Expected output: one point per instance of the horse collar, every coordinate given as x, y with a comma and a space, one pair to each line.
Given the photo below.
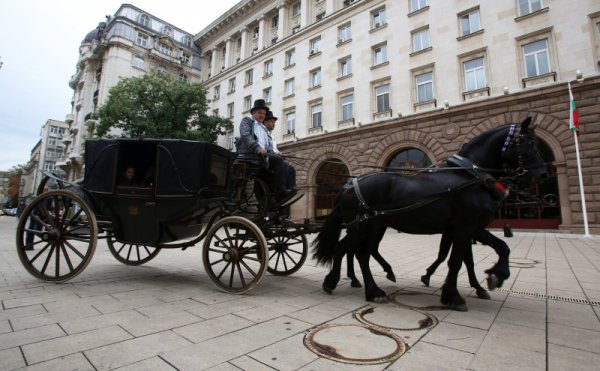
511, 133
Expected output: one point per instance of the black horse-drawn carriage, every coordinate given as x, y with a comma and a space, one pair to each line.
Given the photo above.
187, 192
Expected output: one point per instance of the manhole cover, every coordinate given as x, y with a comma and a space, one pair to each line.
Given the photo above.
355, 344
397, 317
522, 262
417, 300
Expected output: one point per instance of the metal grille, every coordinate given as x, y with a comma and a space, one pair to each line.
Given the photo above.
551, 297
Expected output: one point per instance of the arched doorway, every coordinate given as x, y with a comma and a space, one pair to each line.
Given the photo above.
532, 206
409, 158
331, 176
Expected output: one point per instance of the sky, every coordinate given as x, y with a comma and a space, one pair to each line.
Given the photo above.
39, 48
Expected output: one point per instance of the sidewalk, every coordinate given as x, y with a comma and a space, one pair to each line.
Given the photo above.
167, 315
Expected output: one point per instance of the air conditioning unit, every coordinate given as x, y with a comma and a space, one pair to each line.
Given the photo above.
312, 51
377, 24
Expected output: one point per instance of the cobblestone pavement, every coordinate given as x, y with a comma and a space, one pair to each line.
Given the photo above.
167, 314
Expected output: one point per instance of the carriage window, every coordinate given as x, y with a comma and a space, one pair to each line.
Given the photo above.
411, 158
218, 170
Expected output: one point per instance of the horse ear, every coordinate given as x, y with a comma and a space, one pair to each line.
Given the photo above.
525, 124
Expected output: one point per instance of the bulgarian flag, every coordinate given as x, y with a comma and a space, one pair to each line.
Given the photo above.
573, 114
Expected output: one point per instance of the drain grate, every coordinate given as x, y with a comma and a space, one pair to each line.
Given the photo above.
551, 297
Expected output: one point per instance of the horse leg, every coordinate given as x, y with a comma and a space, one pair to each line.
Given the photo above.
363, 253
333, 277
500, 271
450, 295
387, 268
470, 264
354, 282
445, 245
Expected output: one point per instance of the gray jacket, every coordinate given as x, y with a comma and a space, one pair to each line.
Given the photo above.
247, 142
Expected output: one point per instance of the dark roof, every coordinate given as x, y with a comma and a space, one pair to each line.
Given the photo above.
95, 34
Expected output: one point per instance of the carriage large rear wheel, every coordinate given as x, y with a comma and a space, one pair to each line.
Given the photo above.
56, 236
287, 254
235, 254
131, 253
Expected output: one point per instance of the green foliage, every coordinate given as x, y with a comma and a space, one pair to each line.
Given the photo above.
159, 106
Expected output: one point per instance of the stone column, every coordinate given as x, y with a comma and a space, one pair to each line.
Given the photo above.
303, 13
283, 24
329, 7
227, 61
261, 32
244, 51
213, 64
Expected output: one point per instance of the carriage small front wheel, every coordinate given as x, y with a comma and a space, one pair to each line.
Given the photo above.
235, 254
56, 236
287, 254
131, 253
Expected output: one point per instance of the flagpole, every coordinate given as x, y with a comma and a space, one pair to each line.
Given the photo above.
579, 173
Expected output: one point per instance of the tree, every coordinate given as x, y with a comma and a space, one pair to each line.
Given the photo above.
159, 106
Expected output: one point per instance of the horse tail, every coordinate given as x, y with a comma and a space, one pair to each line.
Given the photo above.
324, 246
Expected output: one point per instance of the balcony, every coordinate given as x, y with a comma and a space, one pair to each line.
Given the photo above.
69, 118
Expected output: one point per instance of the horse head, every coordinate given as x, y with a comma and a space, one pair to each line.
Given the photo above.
520, 154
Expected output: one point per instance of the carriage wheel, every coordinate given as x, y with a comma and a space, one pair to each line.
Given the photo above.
286, 254
56, 236
235, 254
129, 253
49, 182
254, 200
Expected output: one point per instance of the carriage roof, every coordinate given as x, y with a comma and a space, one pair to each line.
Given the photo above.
176, 166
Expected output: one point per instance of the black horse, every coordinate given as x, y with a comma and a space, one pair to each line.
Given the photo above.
458, 199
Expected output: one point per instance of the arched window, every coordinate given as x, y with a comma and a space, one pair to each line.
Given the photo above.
186, 40
144, 20
167, 30
411, 158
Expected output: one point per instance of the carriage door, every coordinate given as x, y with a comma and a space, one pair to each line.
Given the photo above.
532, 206
332, 175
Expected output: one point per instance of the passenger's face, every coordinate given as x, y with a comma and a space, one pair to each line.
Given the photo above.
270, 124
130, 173
259, 114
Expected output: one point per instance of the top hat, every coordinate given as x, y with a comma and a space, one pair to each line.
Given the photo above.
258, 104
270, 116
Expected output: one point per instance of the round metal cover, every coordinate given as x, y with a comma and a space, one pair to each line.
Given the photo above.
355, 344
397, 317
522, 262
417, 300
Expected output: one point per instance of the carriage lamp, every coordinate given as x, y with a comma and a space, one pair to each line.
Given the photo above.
579, 76
506, 90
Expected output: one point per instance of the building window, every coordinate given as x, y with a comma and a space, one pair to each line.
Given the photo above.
249, 77
347, 107
231, 85
382, 98
142, 39
529, 6
379, 54
420, 40
290, 57
417, 4
185, 58
167, 30
268, 95
315, 78
139, 62
161, 70
183, 77
275, 21
424, 87
165, 49
349, 2
344, 33
537, 60
255, 33
268, 68
469, 23
378, 18
290, 121
320, 16
230, 110
247, 103
296, 9
215, 112
144, 20
345, 66
289, 87
316, 115
315, 45
474, 74
217, 92
186, 40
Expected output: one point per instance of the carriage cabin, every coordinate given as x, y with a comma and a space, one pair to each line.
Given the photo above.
176, 183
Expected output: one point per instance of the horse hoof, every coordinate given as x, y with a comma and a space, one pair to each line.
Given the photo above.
459, 307
380, 300
391, 277
482, 294
355, 283
425, 280
328, 290
493, 281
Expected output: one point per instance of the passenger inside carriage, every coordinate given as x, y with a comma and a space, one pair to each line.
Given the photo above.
128, 177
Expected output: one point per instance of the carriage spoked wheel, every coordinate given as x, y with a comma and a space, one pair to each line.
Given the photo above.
235, 254
286, 254
56, 236
254, 200
131, 253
